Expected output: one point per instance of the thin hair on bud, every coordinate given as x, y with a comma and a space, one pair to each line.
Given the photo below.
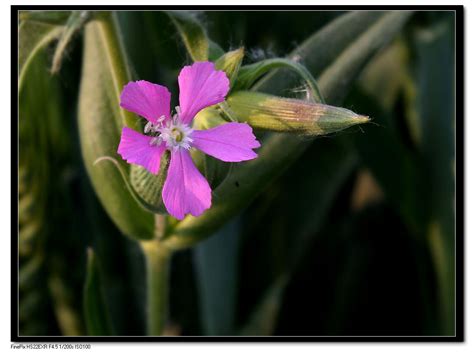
302, 92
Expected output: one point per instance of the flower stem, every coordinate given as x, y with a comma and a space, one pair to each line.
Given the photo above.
157, 260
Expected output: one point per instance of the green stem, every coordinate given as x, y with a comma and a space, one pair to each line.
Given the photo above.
157, 259
250, 73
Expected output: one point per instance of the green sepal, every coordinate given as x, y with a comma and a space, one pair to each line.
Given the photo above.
149, 186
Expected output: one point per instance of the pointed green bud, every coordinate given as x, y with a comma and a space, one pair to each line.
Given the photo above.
230, 63
271, 113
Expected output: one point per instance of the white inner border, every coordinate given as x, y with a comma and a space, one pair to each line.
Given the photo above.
5, 183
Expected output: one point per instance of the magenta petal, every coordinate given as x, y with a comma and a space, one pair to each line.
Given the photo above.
228, 142
186, 191
136, 149
146, 99
200, 86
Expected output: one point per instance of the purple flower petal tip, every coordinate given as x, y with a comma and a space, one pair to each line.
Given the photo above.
231, 142
200, 86
186, 191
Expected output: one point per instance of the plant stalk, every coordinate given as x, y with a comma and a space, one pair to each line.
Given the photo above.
157, 261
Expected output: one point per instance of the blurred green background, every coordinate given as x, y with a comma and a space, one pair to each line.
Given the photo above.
356, 237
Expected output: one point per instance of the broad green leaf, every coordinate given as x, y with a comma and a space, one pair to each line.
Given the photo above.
270, 113
32, 37
249, 178
75, 22
104, 73
216, 271
95, 306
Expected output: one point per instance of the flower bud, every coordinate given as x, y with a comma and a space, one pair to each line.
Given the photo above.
271, 113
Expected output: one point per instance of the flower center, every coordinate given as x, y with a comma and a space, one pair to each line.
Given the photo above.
176, 135
172, 132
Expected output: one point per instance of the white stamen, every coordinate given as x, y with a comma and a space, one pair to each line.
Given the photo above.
148, 127
154, 127
176, 135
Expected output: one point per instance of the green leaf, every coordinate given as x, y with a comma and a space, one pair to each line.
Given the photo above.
32, 37
230, 64
104, 73
216, 270
248, 179
193, 35
270, 113
95, 306
75, 22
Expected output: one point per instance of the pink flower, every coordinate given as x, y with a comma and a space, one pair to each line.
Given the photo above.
185, 191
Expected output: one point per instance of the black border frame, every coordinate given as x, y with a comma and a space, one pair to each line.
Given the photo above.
459, 181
